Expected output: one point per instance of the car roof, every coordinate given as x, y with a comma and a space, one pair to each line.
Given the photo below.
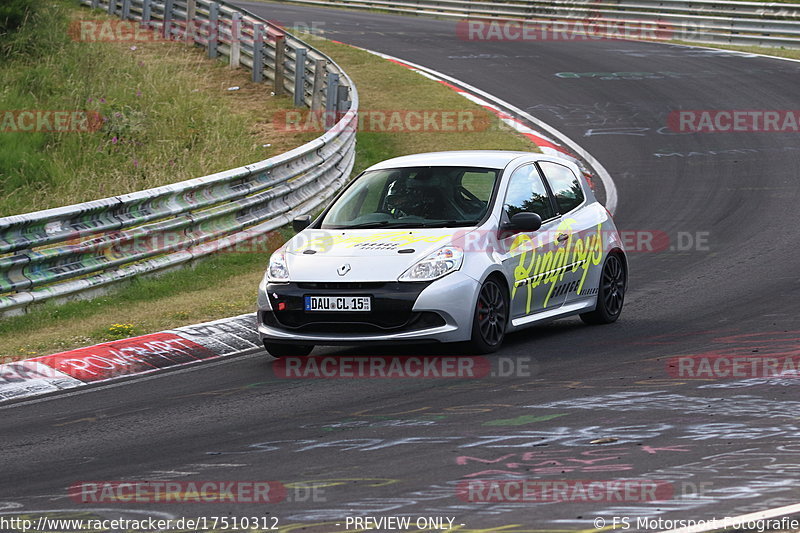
464, 158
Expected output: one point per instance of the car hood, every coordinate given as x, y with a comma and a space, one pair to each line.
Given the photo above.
371, 254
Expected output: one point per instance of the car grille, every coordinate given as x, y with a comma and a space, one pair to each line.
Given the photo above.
342, 286
392, 308
375, 323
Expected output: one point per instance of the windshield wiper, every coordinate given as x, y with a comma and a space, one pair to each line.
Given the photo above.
375, 224
406, 224
446, 223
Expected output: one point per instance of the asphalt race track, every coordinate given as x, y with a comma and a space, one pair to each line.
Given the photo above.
725, 283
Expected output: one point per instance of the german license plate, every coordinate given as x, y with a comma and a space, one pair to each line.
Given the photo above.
338, 303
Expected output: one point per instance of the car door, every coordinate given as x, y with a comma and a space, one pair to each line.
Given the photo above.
530, 258
578, 233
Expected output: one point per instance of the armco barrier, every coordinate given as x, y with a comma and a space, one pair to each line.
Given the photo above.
700, 21
77, 249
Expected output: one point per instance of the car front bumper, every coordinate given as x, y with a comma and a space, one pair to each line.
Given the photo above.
438, 311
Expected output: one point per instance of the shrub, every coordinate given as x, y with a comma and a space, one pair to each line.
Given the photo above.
13, 13
29, 32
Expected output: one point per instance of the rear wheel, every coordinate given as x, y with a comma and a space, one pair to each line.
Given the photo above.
288, 350
611, 294
491, 317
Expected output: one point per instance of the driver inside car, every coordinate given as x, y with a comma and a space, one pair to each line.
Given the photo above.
414, 197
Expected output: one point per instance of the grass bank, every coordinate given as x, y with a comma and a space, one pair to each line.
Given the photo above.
226, 285
166, 114
762, 50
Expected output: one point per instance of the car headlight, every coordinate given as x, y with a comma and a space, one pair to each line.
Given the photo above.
278, 271
435, 265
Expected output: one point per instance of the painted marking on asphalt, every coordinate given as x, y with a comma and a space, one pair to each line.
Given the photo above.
147, 513
608, 182
738, 52
522, 420
735, 520
80, 420
217, 465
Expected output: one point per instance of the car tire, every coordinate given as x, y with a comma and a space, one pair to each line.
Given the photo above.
288, 350
490, 319
611, 292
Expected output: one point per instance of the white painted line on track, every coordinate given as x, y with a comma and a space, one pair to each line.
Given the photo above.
714, 525
740, 52
608, 182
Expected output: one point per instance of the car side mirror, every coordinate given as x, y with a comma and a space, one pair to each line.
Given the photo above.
301, 222
524, 222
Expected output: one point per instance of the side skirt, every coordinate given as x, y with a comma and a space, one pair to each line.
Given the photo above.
572, 308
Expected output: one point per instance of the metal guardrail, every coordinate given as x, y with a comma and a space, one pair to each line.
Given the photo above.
700, 21
78, 249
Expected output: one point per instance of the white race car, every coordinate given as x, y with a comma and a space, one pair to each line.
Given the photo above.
445, 247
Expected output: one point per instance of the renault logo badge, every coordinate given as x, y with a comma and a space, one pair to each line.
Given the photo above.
344, 269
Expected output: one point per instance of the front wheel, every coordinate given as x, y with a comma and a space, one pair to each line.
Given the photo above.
611, 294
490, 319
288, 350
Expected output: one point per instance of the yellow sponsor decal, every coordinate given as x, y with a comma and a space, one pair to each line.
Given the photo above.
542, 268
390, 239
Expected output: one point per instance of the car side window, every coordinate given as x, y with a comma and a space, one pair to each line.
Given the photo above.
565, 185
527, 193
473, 192
364, 199
479, 184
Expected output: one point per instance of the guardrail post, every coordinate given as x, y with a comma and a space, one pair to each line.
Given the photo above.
316, 86
236, 39
191, 16
280, 63
258, 53
126, 9
300, 76
213, 30
147, 10
167, 27
95, 4
689, 31
342, 102
330, 100
112, 6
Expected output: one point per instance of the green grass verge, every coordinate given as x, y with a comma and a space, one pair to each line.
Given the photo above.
226, 285
167, 114
763, 50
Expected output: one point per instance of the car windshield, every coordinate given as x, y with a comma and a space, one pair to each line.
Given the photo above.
414, 197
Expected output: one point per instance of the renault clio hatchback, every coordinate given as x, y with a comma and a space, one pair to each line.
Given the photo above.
445, 247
